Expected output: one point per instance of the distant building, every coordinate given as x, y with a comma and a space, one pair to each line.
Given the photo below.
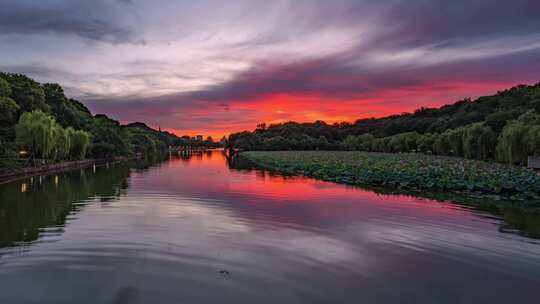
199, 138
261, 126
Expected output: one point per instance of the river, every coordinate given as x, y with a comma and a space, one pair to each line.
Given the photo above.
195, 229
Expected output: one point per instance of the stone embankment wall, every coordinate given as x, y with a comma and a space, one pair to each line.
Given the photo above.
7, 176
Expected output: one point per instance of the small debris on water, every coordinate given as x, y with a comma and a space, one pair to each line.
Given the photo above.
224, 272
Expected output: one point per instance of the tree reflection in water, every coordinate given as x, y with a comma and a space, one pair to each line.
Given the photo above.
28, 206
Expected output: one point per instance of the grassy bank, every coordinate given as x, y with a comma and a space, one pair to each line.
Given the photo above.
409, 172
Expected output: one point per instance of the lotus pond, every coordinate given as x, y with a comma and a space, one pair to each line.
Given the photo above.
409, 172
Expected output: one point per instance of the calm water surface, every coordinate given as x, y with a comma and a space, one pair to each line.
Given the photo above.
194, 230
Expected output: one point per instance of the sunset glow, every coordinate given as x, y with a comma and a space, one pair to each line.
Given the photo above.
283, 107
192, 70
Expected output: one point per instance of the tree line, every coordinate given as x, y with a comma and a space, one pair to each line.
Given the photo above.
42, 136
40, 119
503, 127
517, 140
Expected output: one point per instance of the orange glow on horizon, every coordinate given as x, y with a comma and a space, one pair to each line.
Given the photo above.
283, 107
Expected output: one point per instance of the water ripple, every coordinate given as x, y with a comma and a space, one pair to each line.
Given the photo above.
196, 231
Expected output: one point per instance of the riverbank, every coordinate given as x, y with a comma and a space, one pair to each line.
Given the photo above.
409, 172
11, 175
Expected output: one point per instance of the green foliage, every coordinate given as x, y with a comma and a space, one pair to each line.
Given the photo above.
244, 140
68, 112
62, 143
511, 143
448, 143
362, 142
79, 143
404, 142
55, 127
365, 142
146, 140
455, 139
496, 121
465, 129
8, 111
426, 142
479, 141
533, 140
411, 172
442, 145
397, 143
5, 88
28, 94
109, 138
142, 142
350, 143
322, 143
35, 133
39, 134
381, 144
519, 139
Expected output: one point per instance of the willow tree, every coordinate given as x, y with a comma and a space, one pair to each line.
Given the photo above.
442, 145
361, 142
533, 140
62, 143
397, 143
519, 139
426, 142
79, 143
479, 141
35, 132
452, 142
511, 146
351, 143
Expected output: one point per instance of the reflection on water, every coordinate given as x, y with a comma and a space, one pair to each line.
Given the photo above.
515, 219
207, 228
44, 202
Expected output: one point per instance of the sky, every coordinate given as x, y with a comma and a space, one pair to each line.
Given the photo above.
213, 67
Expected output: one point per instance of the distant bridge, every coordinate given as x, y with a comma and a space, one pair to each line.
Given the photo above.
190, 148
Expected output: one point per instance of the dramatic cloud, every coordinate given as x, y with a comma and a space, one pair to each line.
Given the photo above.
93, 20
212, 68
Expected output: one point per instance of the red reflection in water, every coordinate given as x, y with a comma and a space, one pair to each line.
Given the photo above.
207, 176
